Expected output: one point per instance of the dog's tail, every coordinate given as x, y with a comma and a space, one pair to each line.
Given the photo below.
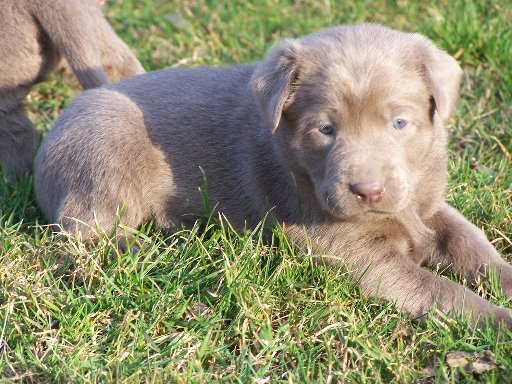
70, 29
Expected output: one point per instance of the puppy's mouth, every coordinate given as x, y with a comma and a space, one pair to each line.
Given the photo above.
383, 208
348, 205
379, 212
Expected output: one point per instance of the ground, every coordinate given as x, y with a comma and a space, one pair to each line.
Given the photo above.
211, 305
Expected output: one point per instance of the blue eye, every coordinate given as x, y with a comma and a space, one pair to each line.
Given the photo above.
327, 130
399, 123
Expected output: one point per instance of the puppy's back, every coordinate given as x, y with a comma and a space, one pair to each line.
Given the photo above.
150, 135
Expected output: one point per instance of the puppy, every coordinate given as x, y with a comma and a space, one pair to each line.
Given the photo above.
338, 136
34, 33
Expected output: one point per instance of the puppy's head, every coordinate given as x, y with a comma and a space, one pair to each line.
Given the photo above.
358, 113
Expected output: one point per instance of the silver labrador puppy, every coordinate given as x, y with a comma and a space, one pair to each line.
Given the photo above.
339, 135
34, 34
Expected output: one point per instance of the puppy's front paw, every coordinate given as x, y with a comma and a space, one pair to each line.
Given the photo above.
504, 274
503, 316
506, 284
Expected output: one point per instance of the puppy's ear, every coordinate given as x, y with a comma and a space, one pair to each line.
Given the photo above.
443, 76
273, 79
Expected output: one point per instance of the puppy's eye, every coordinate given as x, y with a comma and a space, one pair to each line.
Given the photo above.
399, 123
327, 129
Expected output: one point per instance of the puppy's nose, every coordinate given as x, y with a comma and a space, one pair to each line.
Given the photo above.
370, 192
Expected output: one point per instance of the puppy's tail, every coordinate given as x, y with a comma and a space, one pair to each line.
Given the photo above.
67, 24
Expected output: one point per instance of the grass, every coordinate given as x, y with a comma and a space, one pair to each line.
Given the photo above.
212, 305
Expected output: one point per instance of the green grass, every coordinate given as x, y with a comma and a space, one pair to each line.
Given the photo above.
209, 306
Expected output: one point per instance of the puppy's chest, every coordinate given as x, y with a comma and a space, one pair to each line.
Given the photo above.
413, 241
401, 237
417, 252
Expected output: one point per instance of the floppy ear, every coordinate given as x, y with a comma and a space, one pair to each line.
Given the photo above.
273, 78
443, 76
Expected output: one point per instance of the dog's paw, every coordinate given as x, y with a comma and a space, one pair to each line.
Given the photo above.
503, 316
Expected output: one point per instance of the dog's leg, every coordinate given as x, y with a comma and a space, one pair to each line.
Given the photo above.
398, 279
462, 248
382, 263
61, 20
17, 143
86, 214
117, 59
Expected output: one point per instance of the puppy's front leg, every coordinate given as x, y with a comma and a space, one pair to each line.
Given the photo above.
462, 248
398, 279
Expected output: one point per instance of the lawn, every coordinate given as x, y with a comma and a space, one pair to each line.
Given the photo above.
207, 305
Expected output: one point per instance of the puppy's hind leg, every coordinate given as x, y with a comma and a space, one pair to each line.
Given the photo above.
18, 140
106, 212
96, 169
118, 61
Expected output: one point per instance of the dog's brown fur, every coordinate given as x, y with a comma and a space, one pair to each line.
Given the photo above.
33, 36
298, 135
